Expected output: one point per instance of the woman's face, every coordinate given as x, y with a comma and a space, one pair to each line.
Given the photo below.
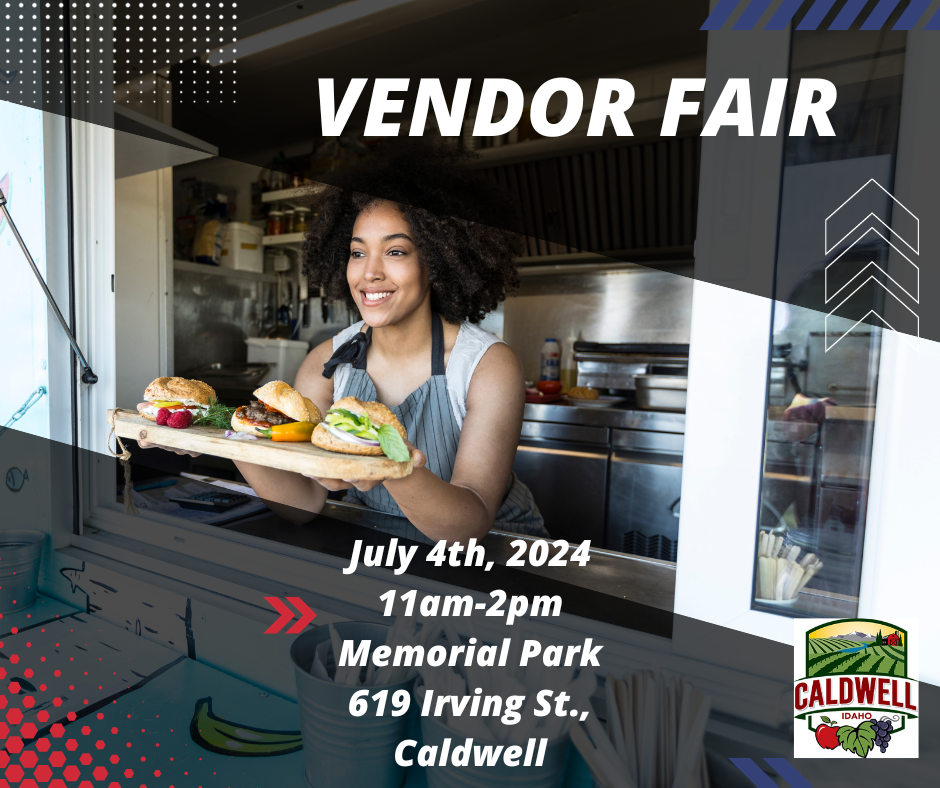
385, 277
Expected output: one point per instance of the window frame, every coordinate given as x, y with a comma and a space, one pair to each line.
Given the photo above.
725, 440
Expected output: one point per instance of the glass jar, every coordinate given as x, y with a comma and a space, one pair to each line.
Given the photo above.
300, 220
288, 221
275, 223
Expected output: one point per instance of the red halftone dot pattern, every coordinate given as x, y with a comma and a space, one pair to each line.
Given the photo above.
45, 753
29, 759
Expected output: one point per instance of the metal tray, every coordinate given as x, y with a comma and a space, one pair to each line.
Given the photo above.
662, 392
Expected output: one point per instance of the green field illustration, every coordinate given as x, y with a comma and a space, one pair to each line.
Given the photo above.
857, 654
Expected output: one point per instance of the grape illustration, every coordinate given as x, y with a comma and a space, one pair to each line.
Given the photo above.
883, 728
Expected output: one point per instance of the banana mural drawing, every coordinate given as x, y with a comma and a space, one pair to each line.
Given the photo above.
232, 738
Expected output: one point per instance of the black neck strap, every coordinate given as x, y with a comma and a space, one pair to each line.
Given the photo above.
437, 347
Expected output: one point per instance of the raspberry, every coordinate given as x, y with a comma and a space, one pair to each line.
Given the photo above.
180, 420
162, 415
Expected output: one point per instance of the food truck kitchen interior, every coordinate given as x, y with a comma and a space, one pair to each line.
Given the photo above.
672, 499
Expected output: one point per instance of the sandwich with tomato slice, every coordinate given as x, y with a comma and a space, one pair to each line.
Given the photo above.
176, 394
279, 412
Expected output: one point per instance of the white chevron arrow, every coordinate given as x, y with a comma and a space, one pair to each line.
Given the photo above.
913, 343
861, 203
832, 291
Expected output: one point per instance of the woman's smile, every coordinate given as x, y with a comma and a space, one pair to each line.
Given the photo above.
372, 298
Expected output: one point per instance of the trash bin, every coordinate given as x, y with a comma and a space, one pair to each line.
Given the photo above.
20, 553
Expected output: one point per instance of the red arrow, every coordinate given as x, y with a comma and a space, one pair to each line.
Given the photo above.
306, 615
286, 615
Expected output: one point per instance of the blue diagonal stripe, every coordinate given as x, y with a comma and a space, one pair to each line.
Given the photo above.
789, 773
850, 10
816, 14
751, 14
911, 15
879, 16
934, 23
753, 772
784, 14
720, 15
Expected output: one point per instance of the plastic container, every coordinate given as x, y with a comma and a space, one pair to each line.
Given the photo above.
569, 368
20, 553
284, 355
548, 775
242, 249
551, 361
341, 750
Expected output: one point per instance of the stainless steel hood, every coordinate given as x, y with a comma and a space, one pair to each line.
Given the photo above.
142, 144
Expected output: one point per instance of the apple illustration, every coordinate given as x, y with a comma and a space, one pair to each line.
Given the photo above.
827, 736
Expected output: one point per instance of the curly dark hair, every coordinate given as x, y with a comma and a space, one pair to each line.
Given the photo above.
461, 221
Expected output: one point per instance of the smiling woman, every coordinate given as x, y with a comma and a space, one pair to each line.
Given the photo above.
415, 240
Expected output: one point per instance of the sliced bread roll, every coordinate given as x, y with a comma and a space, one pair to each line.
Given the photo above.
279, 395
378, 414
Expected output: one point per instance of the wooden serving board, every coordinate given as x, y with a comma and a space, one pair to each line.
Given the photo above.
302, 458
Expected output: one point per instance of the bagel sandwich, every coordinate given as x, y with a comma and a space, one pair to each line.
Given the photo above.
176, 394
279, 412
369, 429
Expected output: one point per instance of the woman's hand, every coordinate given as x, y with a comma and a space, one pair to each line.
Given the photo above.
145, 445
418, 460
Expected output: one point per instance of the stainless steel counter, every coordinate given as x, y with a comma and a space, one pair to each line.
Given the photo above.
611, 475
615, 418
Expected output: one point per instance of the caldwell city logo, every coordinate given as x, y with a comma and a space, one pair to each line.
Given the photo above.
855, 693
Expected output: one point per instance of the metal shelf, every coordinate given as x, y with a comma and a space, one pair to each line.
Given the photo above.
213, 270
294, 193
294, 240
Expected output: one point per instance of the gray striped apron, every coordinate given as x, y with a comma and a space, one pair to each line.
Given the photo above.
429, 419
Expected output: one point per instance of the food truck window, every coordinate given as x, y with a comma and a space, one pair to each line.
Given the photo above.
36, 400
22, 304
826, 333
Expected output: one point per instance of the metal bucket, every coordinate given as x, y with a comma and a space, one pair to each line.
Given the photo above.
548, 775
341, 750
20, 553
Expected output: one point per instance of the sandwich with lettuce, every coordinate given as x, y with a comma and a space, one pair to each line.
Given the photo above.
369, 429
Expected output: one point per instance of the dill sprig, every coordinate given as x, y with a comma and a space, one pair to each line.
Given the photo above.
218, 416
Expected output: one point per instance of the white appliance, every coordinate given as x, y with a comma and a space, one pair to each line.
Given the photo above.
285, 356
